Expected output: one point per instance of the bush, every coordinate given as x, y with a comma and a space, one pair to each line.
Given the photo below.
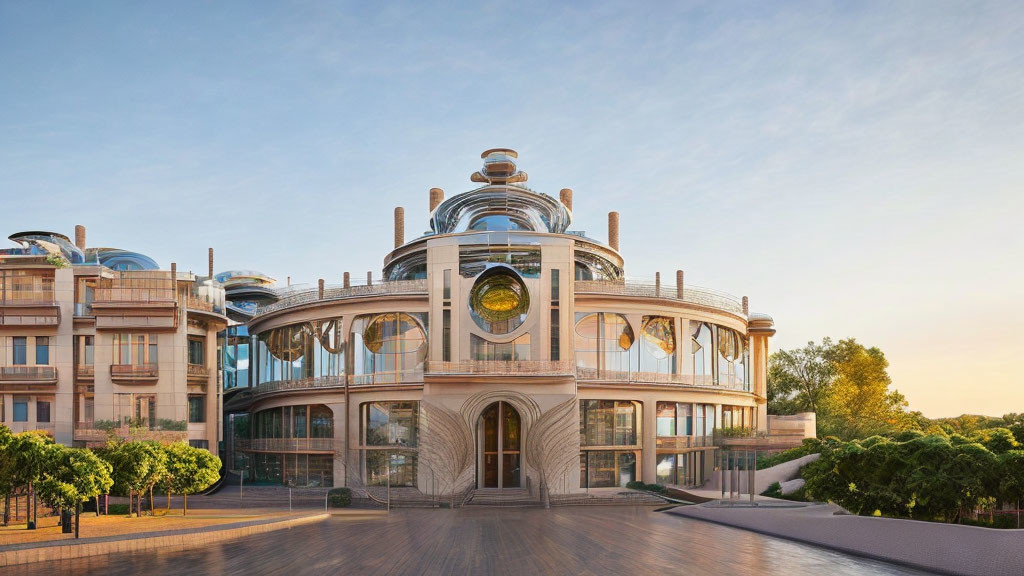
773, 491
340, 497
637, 485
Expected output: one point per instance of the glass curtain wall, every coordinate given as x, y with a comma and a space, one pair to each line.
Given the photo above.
390, 432
658, 345
609, 436
388, 347
604, 342
299, 351
732, 353
701, 351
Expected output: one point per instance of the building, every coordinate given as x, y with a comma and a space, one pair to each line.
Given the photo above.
499, 350
99, 341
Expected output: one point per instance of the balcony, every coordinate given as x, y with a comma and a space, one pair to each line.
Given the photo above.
288, 444
657, 379
136, 300
294, 297
502, 368
321, 382
85, 372
28, 377
98, 433
28, 308
677, 443
694, 295
134, 373
198, 372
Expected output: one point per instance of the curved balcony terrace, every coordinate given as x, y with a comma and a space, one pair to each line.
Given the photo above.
290, 298
657, 379
690, 295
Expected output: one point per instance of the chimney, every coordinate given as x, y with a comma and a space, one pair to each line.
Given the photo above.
399, 226
657, 283
174, 270
565, 194
679, 284
211, 264
80, 237
289, 280
613, 230
345, 283
369, 278
320, 289
746, 306
436, 197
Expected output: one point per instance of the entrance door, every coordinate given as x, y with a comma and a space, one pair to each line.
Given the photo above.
499, 437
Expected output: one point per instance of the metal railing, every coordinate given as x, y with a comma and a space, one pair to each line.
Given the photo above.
300, 384
385, 378
198, 371
690, 380
508, 368
124, 371
87, 371
290, 298
691, 294
291, 444
28, 373
137, 287
16, 317
684, 442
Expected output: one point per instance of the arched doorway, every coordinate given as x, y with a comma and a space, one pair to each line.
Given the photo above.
499, 447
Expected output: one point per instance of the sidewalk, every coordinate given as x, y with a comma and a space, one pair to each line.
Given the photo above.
943, 548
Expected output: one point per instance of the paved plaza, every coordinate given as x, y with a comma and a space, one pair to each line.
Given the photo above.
570, 540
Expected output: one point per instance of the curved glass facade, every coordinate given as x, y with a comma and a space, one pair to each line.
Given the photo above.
609, 442
288, 445
299, 351
386, 346
603, 344
390, 434
499, 301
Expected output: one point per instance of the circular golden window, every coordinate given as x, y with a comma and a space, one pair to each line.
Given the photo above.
499, 301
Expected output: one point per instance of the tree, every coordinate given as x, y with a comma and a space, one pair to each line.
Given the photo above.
797, 379
1011, 473
7, 475
28, 461
190, 470
997, 440
137, 466
72, 476
859, 402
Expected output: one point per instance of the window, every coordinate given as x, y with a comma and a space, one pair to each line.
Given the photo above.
603, 345
20, 410
682, 469
196, 409
42, 411
297, 351
392, 344
446, 334
313, 421
481, 350
204, 444
447, 290
705, 419
556, 346
731, 358
390, 423
605, 468
196, 351
674, 419
700, 348
658, 345
42, 351
20, 352
608, 423
135, 349
86, 350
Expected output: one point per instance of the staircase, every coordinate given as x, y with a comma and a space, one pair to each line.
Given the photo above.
504, 498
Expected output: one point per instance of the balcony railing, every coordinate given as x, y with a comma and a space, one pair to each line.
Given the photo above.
83, 309
88, 432
504, 368
386, 378
336, 382
85, 371
690, 380
198, 371
28, 374
291, 444
684, 442
691, 294
134, 372
39, 315
137, 287
293, 297
300, 384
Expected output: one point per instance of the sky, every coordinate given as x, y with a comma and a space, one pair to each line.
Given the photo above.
855, 168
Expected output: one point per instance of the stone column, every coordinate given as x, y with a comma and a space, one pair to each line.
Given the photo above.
210, 276
436, 197
346, 280
369, 278
613, 230
679, 284
399, 226
565, 195
80, 237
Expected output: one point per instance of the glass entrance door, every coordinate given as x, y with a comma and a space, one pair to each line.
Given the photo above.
500, 440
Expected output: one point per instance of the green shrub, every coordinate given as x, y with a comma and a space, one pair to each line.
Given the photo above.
340, 497
773, 491
116, 509
635, 485
807, 447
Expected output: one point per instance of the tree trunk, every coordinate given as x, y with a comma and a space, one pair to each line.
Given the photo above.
31, 510
78, 518
168, 500
97, 506
151, 501
7, 508
184, 506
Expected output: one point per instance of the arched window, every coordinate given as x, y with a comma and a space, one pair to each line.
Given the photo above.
603, 345
658, 345
388, 346
307, 350
731, 355
700, 348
